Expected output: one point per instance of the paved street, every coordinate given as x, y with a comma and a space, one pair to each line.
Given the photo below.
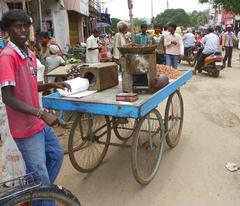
193, 173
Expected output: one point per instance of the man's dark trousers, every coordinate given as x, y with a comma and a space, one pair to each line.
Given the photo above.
200, 62
228, 56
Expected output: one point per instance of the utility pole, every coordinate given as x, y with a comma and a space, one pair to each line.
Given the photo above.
130, 7
167, 4
152, 12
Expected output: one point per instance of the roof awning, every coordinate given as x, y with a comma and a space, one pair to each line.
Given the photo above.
78, 6
16, 1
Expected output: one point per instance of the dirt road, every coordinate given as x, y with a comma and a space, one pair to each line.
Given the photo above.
191, 174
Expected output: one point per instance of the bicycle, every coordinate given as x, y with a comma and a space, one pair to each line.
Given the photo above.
24, 190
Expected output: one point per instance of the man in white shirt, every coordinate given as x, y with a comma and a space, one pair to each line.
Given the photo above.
173, 45
211, 46
93, 47
188, 41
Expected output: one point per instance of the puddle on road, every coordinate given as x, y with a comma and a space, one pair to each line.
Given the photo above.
223, 118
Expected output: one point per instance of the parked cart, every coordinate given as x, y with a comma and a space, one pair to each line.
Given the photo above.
99, 114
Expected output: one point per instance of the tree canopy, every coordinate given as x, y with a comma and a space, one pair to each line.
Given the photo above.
230, 5
181, 18
113, 27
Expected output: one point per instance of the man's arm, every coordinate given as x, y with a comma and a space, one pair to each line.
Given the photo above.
10, 100
54, 85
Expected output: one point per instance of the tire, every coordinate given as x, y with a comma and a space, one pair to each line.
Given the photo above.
56, 193
192, 59
147, 152
88, 141
123, 129
216, 73
173, 119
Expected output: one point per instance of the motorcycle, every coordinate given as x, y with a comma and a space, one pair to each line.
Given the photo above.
213, 64
190, 56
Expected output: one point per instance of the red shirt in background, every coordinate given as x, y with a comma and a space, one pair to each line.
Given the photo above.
20, 71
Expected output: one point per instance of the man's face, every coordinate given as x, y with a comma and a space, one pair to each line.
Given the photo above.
171, 29
229, 29
19, 32
158, 30
144, 29
44, 41
96, 34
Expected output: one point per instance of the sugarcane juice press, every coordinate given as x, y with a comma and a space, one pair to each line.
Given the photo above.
138, 69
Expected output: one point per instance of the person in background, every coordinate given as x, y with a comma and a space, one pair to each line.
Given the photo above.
128, 35
173, 45
29, 124
158, 39
228, 39
188, 41
119, 40
211, 45
2, 45
142, 37
93, 47
54, 60
45, 43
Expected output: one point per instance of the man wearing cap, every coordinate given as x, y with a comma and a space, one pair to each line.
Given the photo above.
228, 38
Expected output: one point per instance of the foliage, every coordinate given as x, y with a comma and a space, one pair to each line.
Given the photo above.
113, 27
229, 5
136, 21
177, 16
199, 18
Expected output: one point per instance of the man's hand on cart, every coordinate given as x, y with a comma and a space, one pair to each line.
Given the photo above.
61, 85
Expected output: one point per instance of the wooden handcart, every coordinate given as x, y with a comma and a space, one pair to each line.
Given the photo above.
100, 114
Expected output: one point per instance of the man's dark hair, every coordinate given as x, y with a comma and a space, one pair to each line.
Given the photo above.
13, 16
44, 34
172, 25
210, 30
96, 30
158, 25
143, 26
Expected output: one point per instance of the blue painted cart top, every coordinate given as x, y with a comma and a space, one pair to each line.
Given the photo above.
104, 102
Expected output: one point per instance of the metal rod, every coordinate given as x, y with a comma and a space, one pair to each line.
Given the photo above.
24, 4
40, 13
115, 144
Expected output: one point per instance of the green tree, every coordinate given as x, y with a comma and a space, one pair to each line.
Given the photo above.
199, 18
113, 27
230, 5
177, 16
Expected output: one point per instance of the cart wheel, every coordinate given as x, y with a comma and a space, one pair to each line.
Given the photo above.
147, 147
123, 128
174, 118
88, 141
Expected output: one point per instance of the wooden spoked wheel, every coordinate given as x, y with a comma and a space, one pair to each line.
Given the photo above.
88, 141
123, 128
174, 118
147, 147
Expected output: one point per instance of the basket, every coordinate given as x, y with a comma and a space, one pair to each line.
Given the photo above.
137, 49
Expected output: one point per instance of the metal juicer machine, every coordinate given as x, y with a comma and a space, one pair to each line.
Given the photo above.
138, 68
